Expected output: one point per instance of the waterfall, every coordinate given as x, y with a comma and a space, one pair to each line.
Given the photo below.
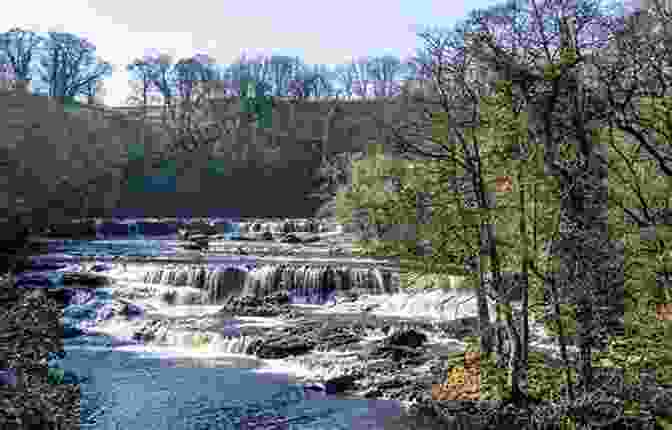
222, 282
192, 276
316, 284
311, 284
233, 345
219, 282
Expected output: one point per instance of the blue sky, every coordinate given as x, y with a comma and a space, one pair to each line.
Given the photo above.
318, 32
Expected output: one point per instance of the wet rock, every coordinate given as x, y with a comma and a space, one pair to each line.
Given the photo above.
459, 328
409, 338
33, 280
150, 331
339, 384
269, 306
130, 310
8, 377
198, 237
70, 331
77, 296
85, 278
196, 246
284, 348
169, 297
291, 238
101, 267
162, 228
200, 228
44, 265
85, 230
312, 239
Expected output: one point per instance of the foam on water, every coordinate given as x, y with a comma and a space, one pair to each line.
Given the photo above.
314, 366
433, 304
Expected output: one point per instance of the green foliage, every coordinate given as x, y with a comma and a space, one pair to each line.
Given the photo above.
633, 186
454, 230
567, 320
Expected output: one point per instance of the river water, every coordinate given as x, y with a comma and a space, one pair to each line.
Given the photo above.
128, 385
181, 384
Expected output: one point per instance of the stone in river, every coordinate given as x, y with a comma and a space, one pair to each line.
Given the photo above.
410, 338
339, 384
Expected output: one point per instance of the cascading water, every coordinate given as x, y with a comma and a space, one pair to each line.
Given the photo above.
138, 327
312, 284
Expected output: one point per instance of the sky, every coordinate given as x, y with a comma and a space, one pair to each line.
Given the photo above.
318, 32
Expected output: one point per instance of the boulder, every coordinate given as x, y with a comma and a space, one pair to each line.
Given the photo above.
225, 227
284, 348
150, 331
101, 267
130, 310
157, 228
290, 238
77, 296
113, 229
409, 338
70, 331
31, 280
312, 239
8, 377
339, 384
72, 230
195, 246
201, 227
85, 278
44, 265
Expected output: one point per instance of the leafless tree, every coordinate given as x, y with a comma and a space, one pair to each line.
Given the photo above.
70, 65
18, 48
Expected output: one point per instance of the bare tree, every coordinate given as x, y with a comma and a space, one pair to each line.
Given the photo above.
70, 65
361, 69
17, 49
282, 70
346, 77
142, 84
386, 71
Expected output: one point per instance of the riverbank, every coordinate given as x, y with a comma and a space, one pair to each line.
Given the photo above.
29, 331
